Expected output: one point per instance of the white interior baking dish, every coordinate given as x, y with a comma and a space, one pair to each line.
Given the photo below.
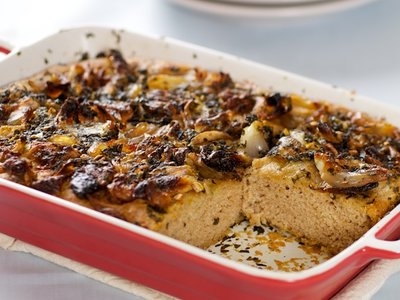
151, 258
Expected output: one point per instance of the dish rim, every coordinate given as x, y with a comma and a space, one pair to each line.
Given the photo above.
368, 240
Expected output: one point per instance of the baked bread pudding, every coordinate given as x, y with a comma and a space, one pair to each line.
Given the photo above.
189, 152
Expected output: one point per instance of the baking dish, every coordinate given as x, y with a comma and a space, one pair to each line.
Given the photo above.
148, 257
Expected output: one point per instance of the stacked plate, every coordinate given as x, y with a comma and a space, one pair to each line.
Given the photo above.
270, 8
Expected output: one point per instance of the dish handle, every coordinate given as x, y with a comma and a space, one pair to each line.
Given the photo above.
384, 249
383, 242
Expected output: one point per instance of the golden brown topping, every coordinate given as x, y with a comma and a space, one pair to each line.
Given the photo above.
328, 134
143, 132
17, 168
274, 106
159, 191
210, 136
51, 185
91, 178
55, 89
237, 101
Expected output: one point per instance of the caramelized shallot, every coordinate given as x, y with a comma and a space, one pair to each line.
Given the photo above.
338, 176
254, 141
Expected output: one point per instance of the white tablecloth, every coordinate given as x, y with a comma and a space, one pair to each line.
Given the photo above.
357, 49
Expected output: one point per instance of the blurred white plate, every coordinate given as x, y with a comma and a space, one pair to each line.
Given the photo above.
272, 2
270, 8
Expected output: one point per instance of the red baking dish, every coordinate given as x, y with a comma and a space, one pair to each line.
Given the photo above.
150, 258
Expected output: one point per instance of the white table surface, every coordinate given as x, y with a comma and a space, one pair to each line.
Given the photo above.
357, 49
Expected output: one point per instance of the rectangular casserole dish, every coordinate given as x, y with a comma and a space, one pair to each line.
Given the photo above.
147, 257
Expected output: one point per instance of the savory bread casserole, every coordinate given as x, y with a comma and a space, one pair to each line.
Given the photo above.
189, 152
